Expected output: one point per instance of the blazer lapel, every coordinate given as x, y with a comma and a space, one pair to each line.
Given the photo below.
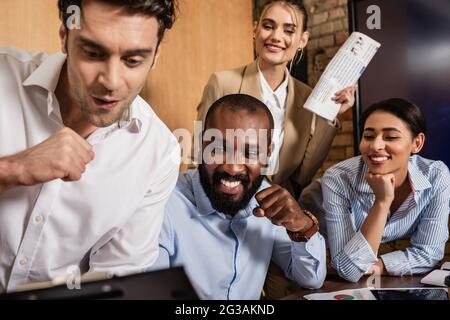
250, 81
296, 133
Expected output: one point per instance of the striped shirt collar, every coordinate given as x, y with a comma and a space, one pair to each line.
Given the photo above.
417, 179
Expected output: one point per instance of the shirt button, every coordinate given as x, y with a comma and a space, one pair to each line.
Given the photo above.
23, 262
38, 218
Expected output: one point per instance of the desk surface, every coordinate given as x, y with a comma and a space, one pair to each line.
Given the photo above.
335, 283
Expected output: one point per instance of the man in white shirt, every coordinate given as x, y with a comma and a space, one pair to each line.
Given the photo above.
86, 166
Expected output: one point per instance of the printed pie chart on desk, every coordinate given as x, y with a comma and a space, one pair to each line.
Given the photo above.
344, 297
349, 294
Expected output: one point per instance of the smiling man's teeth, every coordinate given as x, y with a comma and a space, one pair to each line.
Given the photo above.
230, 184
379, 158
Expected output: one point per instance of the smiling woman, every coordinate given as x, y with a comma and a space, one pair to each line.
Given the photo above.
386, 194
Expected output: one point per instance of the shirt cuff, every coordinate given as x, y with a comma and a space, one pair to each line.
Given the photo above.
360, 253
314, 247
396, 263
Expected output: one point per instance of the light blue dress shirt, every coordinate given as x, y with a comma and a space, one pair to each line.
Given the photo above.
227, 258
347, 199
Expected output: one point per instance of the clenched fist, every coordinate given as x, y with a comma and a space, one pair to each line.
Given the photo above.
277, 204
64, 155
383, 186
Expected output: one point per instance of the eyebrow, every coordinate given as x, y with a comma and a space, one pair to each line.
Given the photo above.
132, 52
384, 129
285, 24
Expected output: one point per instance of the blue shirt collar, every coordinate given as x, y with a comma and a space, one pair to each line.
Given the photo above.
418, 180
204, 205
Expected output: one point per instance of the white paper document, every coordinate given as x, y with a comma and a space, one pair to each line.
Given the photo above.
352, 294
344, 70
437, 277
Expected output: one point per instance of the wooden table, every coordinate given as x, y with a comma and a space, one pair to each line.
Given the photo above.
335, 283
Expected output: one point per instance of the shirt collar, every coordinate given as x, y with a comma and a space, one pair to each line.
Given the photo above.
130, 120
204, 205
417, 179
46, 76
280, 92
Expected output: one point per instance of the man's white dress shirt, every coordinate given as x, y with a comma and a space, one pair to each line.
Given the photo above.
110, 220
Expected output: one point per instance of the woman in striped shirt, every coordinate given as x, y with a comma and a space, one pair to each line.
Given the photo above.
386, 194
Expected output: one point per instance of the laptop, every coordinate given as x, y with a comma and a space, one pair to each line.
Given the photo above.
168, 284
411, 294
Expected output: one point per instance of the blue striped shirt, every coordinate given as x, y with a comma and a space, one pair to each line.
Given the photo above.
347, 199
227, 257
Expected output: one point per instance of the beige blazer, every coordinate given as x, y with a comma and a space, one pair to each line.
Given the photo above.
301, 154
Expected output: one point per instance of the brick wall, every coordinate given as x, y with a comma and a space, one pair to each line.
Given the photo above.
328, 26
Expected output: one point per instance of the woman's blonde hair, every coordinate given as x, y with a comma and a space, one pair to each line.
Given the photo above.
294, 4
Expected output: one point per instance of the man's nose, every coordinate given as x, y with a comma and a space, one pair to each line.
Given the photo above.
110, 77
234, 169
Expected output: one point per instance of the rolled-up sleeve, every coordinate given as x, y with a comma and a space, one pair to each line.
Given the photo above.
351, 254
396, 263
428, 240
355, 259
303, 262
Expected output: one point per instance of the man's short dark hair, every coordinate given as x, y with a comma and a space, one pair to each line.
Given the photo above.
163, 10
237, 102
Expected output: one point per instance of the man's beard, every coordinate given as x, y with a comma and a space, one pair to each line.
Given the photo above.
97, 117
101, 118
222, 202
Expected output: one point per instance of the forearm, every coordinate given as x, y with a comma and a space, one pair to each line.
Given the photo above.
373, 227
9, 173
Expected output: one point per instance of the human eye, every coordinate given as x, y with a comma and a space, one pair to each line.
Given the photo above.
251, 154
368, 137
289, 31
391, 138
267, 26
219, 149
133, 61
93, 54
